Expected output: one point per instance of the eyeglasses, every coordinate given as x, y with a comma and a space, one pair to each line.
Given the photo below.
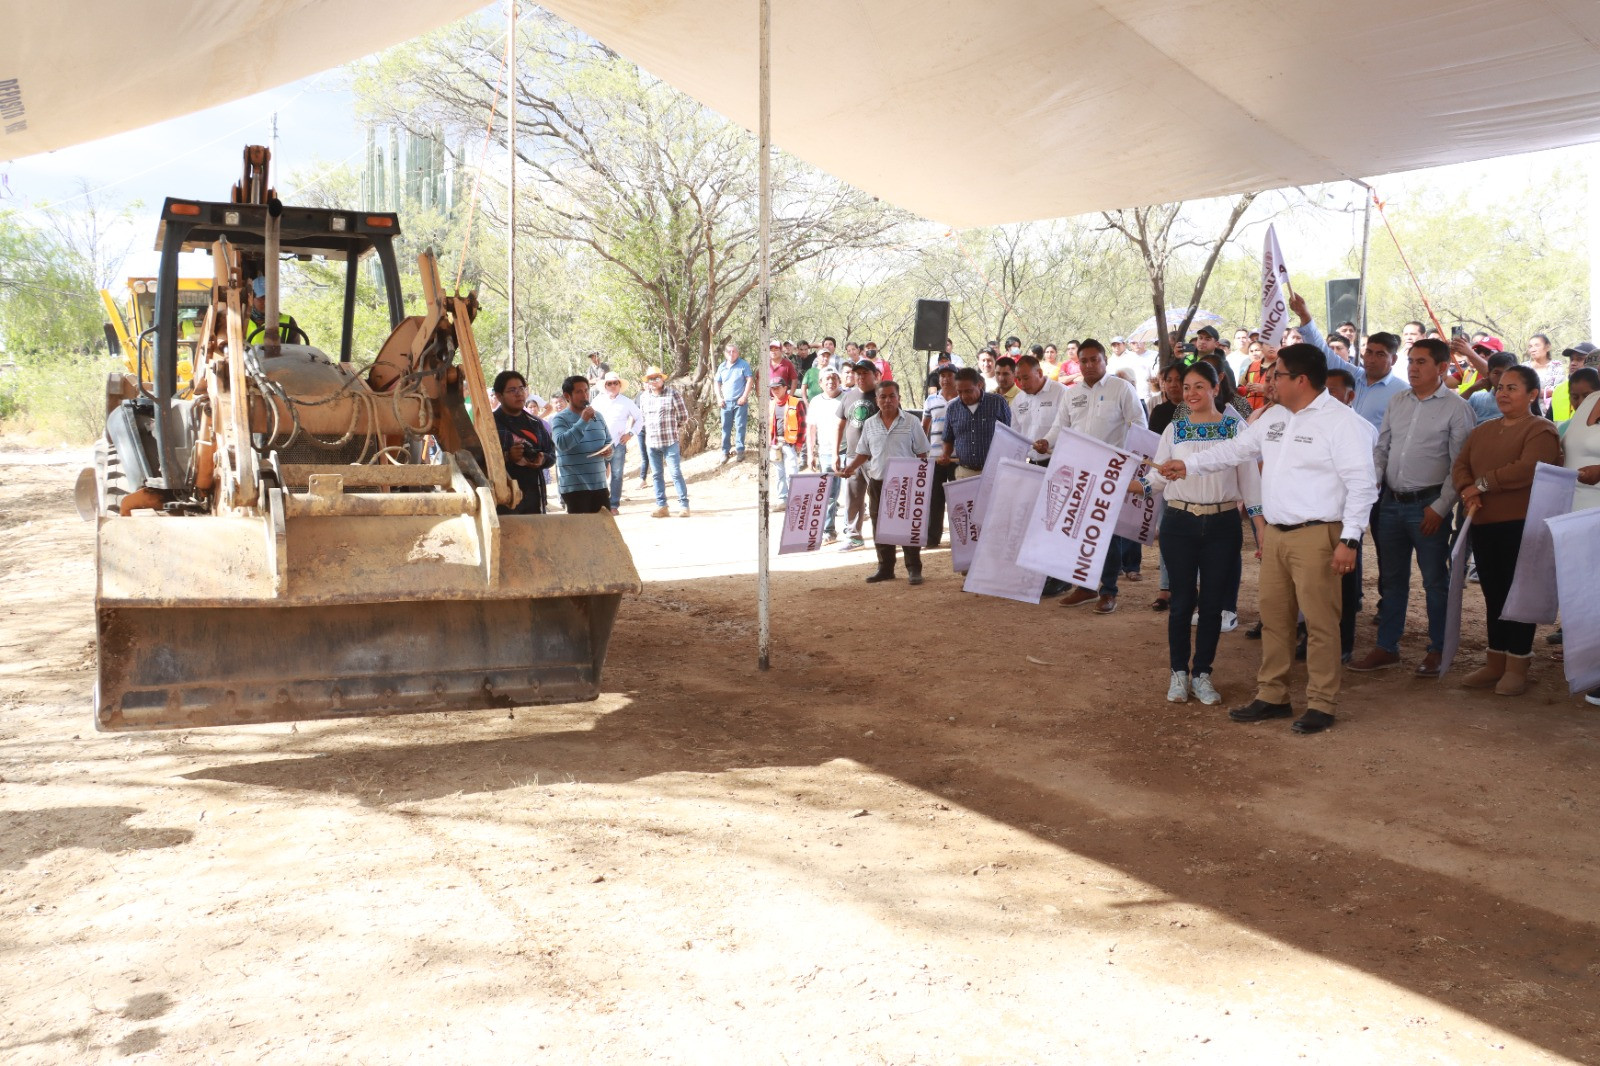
515, 388
1281, 374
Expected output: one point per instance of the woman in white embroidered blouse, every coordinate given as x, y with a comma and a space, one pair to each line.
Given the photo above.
1200, 533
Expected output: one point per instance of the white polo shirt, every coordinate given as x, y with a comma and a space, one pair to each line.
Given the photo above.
1103, 412
1035, 416
1316, 464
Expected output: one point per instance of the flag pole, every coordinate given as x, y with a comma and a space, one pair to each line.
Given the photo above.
764, 375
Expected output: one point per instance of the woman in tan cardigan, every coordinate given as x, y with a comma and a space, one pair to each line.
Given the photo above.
1494, 474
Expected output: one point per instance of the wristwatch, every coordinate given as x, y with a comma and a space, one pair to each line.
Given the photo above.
1353, 543
1482, 484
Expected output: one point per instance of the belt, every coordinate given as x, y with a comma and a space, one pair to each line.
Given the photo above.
1421, 495
1203, 508
1300, 525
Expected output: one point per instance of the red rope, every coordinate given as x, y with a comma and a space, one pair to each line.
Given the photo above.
1406, 262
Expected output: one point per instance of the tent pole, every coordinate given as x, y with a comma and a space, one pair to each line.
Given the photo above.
764, 375
511, 186
1366, 248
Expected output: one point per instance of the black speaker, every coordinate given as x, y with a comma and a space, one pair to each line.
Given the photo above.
933, 325
1344, 303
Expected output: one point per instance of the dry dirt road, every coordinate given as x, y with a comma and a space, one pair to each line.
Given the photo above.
906, 843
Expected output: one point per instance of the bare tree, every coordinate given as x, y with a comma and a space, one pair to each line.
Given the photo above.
659, 189
1152, 231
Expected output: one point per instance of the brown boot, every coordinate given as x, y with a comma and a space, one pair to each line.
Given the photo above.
1487, 674
1515, 681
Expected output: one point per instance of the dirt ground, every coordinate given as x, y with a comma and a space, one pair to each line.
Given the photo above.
942, 829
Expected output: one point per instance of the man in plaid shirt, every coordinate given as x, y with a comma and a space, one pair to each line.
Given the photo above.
665, 414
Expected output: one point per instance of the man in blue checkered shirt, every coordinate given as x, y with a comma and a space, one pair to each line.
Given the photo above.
969, 424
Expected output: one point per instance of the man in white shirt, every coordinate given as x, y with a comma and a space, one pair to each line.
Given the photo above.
1318, 485
1037, 407
933, 411
624, 420
1101, 406
823, 418
1138, 364
889, 433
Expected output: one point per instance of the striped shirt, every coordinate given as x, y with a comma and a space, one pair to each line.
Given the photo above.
577, 466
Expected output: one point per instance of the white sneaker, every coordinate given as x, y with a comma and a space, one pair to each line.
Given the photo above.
1230, 622
1203, 690
1178, 690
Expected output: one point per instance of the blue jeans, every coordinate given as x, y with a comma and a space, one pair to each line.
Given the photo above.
618, 464
788, 466
669, 454
1113, 565
644, 458
1204, 550
831, 515
734, 419
1399, 533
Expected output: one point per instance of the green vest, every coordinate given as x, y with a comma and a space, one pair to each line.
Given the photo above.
255, 330
1561, 403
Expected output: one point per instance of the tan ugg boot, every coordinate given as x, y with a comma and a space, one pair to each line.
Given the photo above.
1515, 681
1487, 674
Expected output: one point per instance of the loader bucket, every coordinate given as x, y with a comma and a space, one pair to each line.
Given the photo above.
212, 620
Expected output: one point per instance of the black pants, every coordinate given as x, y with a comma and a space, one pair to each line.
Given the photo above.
886, 551
587, 501
941, 476
531, 481
1495, 547
1198, 549
1350, 593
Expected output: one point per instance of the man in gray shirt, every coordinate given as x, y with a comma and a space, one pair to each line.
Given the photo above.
1423, 431
889, 434
855, 407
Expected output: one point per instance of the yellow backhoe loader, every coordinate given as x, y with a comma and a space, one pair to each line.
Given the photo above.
130, 325
302, 536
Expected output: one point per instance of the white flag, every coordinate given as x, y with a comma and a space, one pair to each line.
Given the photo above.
961, 513
802, 521
1075, 516
1138, 518
1274, 291
994, 570
1007, 444
1575, 536
1533, 590
905, 503
1143, 443
1458, 591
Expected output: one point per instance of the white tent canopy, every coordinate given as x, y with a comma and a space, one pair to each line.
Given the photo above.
85, 69
963, 111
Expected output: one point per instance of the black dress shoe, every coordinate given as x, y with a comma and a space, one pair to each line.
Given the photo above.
881, 575
1312, 722
1260, 711
914, 579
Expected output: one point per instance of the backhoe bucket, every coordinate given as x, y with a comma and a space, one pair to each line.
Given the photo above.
213, 620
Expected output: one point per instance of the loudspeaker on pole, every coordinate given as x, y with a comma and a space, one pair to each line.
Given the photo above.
933, 325
1344, 303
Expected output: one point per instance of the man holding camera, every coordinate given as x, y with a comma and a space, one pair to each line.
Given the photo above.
529, 451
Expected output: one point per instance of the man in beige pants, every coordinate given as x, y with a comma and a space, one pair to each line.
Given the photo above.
1318, 485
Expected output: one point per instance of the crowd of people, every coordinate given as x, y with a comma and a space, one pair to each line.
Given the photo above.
1311, 449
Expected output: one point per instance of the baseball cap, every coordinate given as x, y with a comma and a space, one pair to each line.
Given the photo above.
775, 344
867, 364
1210, 331
1582, 348
1118, 340
259, 287
1492, 344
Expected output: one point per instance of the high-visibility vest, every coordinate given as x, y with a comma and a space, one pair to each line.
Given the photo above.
254, 330
1561, 403
792, 426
